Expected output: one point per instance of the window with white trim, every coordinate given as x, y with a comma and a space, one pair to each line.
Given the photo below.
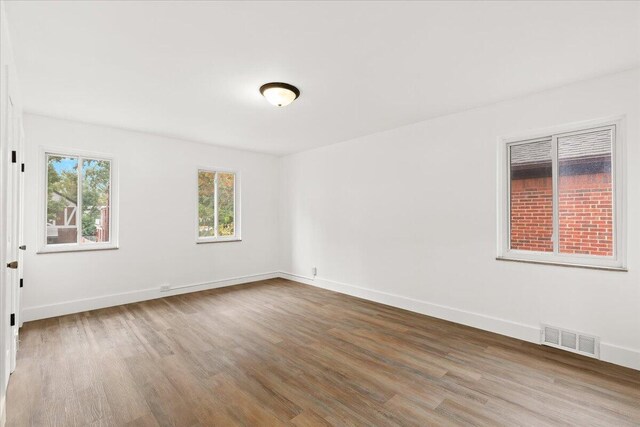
562, 198
218, 206
78, 202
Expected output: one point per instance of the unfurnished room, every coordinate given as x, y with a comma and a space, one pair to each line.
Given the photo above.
319, 213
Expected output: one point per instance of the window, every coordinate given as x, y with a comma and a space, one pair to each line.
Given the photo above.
218, 207
562, 198
78, 203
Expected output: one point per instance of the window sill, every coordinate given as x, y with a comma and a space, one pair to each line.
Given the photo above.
235, 239
75, 248
563, 264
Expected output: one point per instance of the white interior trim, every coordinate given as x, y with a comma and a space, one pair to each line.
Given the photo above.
627, 357
80, 305
43, 246
237, 208
488, 323
618, 261
622, 356
3, 412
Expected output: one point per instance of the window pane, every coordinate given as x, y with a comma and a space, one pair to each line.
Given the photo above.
226, 183
206, 195
585, 193
531, 198
62, 199
96, 183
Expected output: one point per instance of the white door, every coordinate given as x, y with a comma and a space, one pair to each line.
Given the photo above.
13, 232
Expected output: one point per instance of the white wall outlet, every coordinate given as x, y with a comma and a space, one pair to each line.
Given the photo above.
314, 271
165, 288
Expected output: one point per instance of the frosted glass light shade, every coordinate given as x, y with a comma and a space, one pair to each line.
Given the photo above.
279, 94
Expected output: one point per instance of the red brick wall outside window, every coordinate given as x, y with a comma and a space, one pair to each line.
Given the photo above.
585, 212
532, 214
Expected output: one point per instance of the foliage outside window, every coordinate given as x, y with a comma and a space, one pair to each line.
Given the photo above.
216, 205
78, 203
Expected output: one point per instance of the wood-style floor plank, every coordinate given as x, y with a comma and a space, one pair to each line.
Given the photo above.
278, 353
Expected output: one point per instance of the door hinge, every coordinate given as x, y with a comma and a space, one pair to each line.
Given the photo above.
22, 168
12, 320
12, 264
14, 156
21, 283
22, 247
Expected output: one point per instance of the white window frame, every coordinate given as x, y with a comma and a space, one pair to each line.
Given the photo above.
619, 206
237, 236
43, 247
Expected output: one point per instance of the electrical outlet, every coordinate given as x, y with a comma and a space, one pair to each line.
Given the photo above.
165, 288
314, 271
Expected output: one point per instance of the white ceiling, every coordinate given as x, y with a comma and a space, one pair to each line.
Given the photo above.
192, 69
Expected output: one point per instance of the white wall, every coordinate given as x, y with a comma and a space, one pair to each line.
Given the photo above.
408, 217
157, 199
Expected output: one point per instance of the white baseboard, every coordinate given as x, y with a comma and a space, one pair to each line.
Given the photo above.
476, 320
77, 306
608, 352
3, 411
622, 356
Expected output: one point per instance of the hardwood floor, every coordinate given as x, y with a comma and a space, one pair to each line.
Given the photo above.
281, 353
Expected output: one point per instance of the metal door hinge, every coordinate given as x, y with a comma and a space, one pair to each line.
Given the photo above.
21, 283
12, 264
14, 156
12, 319
22, 247
22, 167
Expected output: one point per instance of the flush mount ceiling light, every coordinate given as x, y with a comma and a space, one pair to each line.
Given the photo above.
279, 94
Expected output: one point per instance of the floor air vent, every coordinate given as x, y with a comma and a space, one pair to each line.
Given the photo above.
575, 342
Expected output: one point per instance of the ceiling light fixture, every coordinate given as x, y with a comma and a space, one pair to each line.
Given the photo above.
279, 94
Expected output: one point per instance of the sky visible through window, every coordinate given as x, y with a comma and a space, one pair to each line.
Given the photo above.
64, 163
